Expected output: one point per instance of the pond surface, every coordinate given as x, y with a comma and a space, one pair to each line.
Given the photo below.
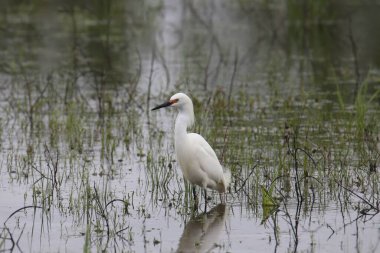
287, 93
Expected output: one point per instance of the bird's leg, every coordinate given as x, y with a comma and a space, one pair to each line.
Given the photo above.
195, 195
223, 197
206, 200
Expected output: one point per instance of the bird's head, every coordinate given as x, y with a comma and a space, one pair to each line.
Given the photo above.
184, 105
179, 100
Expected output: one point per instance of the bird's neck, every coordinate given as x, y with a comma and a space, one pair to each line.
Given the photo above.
184, 120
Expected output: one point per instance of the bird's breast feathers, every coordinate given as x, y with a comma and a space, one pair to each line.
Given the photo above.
199, 162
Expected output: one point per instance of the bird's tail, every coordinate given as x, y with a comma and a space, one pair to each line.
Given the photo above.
227, 178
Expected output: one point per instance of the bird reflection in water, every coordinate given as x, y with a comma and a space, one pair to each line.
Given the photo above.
201, 233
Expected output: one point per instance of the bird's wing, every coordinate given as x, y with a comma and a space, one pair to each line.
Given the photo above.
207, 158
199, 140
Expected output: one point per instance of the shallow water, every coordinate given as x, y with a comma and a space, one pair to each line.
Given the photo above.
95, 170
224, 228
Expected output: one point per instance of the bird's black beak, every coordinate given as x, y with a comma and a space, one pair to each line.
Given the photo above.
166, 104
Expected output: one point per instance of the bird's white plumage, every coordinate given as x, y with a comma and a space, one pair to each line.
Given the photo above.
200, 141
197, 159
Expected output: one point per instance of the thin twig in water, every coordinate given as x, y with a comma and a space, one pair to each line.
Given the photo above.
18, 210
103, 212
165, 66
150, 77
354, 54
11, 239
357, 195
245, 180
333, 231
233, 75
132, 91
115, 200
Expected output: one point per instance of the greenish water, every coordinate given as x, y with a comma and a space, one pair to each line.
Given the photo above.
287, 93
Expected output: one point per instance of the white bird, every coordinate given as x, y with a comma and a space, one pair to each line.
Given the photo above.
198, 161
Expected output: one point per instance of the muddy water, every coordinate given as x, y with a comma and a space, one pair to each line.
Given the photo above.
86, 166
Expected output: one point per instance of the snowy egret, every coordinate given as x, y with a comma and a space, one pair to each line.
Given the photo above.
198, 161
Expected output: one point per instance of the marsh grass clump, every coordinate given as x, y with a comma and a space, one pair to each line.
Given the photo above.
74, 128
68, 155
295, 145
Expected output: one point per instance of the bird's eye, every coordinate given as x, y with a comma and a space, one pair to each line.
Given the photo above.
173, 101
